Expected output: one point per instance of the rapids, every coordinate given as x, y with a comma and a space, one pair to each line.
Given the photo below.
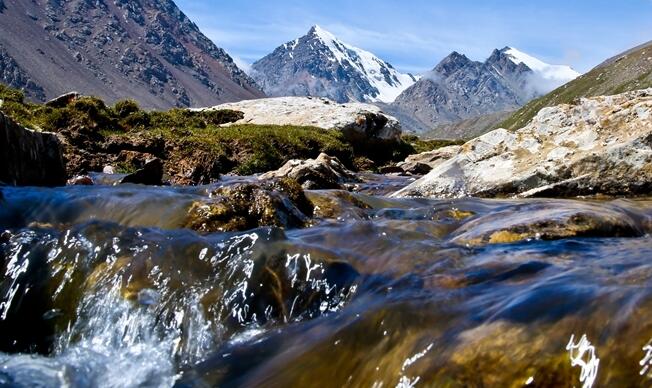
102, 286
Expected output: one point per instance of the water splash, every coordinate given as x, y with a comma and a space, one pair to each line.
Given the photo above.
583, 354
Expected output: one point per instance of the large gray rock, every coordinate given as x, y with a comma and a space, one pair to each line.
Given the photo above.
324, 172
600, 145
358, 121
29, 158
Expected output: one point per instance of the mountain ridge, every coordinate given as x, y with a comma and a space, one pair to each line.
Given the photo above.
459, 89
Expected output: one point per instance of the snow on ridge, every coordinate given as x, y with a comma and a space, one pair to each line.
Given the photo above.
558, 74
370, 66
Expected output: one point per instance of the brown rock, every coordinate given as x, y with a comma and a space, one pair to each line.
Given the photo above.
245, 206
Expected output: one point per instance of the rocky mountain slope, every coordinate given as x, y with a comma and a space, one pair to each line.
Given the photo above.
318, 64
627, 71
459, 89
142, 49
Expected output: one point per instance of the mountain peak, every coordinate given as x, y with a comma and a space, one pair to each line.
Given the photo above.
557, 74
319, 64
453, 62
321, 33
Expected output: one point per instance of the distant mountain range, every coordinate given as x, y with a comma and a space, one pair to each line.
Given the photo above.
147, 50
456, 90
319, 64
459, 89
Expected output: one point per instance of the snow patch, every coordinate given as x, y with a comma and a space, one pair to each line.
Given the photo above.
382, 76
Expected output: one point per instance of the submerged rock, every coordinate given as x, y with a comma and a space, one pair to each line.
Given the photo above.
324, 172
549, 221
247, 206
150, 174
29, 158
600, 145
357, 121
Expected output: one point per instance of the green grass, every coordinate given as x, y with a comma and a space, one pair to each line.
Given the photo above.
243, 149
249, 149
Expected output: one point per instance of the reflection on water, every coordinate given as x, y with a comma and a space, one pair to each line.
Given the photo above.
102, 286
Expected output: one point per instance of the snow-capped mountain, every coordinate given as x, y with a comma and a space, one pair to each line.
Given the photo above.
552, 76
319, 64
459, 89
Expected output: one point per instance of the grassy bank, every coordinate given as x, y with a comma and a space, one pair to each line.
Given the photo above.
198, 135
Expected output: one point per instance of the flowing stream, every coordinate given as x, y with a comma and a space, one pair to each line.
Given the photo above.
102, 286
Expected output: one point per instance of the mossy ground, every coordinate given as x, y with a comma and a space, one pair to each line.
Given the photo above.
241, 149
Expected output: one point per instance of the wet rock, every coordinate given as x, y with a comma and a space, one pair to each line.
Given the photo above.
357, 121
63, 100
601, 145
81, 180
150, 174
548, 221
29, 158
324, 172
246, 206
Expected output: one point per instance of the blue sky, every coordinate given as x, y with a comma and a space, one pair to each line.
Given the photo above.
415, 35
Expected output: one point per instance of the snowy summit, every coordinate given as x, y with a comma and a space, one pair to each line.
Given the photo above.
557, 75
319, 64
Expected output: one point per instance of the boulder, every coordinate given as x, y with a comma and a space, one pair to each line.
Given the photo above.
324, 172
29, 158
150, 174
599, 145
358, 121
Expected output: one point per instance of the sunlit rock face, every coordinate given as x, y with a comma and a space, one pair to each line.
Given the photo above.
600, 145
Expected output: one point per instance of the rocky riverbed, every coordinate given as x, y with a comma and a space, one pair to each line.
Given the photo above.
108, 286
